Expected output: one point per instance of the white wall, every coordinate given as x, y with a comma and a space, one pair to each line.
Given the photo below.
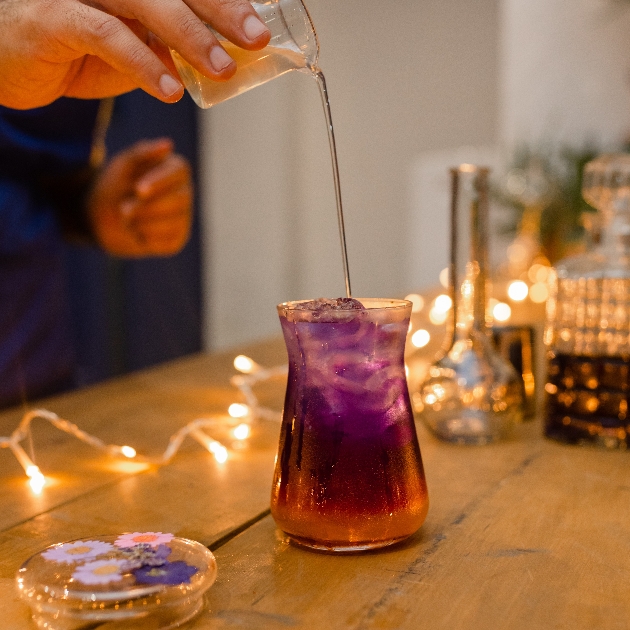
565, 72
405, 78
412, 83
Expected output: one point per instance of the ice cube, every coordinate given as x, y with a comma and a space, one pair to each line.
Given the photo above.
323, 305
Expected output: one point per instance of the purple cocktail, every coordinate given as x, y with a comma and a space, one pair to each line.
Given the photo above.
349, 473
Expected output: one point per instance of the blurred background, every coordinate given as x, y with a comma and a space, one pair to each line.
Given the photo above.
415, 87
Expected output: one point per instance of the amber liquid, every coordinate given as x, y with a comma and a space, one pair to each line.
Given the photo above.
252, 69
587, 400
347, 493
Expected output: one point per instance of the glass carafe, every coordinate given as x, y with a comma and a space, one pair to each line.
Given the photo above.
588, 321
349, 474
293, 46
472, 395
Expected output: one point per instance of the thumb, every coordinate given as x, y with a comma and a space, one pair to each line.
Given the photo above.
132, 162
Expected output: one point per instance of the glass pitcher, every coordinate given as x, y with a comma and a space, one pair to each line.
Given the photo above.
293, 46
349, 474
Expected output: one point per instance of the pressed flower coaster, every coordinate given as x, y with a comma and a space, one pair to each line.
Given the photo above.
137, 581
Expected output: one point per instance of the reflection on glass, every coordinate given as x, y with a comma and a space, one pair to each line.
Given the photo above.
472, 395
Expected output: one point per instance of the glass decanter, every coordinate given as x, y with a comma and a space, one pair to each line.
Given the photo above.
472, 395
588, 321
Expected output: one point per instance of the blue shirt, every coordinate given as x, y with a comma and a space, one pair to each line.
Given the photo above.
47, 144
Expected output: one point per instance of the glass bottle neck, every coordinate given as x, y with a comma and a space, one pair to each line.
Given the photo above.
469, 305
469, 250
615, 239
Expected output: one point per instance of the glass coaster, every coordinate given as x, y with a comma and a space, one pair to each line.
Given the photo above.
139, 581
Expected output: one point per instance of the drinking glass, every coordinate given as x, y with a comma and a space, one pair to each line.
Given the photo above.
293, 46
349, 473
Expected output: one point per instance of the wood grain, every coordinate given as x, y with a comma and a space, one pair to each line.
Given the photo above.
142, 410
526, 534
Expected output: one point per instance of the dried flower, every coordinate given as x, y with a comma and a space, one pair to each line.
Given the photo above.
169, 573
100, 572
77, 551
143, 538
144, 555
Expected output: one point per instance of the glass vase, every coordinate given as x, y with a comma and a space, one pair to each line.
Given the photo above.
349, 474
472, 395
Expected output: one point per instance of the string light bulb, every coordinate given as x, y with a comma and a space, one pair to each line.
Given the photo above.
252, 410
238, 410
245, 364
216, 448
241, 432
36, 481
128, 451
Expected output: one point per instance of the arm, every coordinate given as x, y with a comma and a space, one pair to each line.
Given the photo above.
53, 48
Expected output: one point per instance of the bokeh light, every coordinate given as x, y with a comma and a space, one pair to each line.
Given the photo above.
538, 293
502, 312
238, 410
420, 338
242, 431
417, 302
517, 290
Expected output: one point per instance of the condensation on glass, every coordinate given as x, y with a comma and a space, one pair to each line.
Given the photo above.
349, 474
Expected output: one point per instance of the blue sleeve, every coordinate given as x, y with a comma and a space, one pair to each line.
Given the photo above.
43, 156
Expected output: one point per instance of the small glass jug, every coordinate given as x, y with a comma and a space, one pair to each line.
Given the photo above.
293, 46
349, 474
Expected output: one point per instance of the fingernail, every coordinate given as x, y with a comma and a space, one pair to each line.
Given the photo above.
168, 85
143, 189
253, 27
126, 208
219, 59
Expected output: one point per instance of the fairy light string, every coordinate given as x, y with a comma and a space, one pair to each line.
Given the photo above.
251, 373
249, 412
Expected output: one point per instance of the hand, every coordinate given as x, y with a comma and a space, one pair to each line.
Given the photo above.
141, 205
90, 49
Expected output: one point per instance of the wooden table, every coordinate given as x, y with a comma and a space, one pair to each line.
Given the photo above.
523, 534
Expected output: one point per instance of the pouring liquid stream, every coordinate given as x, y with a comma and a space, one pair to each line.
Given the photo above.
255, 68
321, 83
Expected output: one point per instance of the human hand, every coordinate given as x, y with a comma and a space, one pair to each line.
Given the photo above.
88, 49
141, 204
